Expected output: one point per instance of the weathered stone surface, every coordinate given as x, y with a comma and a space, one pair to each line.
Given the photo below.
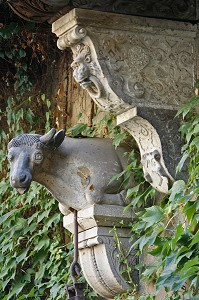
76, 171
140, 69
167, 127
147, 63
103, 268
99, 215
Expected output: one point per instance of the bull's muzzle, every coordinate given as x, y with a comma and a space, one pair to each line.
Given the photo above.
21, 182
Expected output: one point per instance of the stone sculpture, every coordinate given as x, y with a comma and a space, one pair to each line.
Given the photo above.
141, 70
76, 171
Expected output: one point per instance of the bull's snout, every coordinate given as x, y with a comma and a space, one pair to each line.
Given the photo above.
18, 180
21, 182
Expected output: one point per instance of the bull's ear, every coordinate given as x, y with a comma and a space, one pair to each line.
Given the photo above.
58, 138
47, 138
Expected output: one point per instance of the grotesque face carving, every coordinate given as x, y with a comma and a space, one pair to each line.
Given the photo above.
85, 71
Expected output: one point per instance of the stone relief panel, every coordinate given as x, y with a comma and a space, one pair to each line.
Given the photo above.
148, 140
88, 73
145, 64
147, 69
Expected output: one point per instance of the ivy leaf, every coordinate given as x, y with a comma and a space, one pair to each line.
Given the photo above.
22, 255
43, 215
132, 191
17, 288
188, 106
178, 233
193, 262
77, 129
44, 243
53, 219
182, 161
152, 215
40, 273
22, 53
190, 211
119, 138
195, 239
7, 215
177, 190
195, 142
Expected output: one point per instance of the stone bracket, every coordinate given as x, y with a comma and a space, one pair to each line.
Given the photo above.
135, 68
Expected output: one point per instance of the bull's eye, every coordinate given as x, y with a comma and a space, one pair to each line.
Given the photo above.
38, 157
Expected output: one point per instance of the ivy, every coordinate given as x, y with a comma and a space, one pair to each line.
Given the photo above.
35, 257
35, 250
169, 231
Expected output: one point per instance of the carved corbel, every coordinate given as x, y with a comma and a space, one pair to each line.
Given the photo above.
134, 65
105, 253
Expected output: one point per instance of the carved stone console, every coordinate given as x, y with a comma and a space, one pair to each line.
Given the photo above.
104, 249
140, 69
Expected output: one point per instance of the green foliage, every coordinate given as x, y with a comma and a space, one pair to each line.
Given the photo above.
35, 250
169, 231
102, 126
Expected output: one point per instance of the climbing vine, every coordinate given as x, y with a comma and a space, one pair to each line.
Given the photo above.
35, 250
169, 231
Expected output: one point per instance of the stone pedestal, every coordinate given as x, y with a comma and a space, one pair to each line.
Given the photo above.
105, 253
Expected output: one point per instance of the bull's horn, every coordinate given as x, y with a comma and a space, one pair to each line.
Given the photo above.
45, 139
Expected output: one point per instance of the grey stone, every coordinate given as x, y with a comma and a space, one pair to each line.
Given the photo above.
77, 171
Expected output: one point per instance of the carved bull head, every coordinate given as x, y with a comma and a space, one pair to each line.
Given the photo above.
27, 151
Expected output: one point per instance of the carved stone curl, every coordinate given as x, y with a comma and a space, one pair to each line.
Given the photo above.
131, 65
